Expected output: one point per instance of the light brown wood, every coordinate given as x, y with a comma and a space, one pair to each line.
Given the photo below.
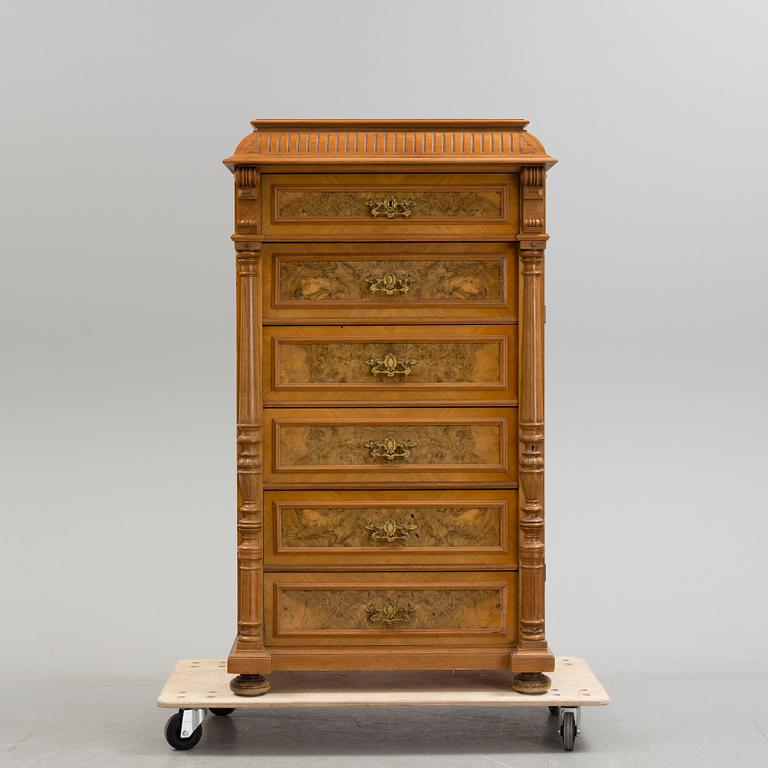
390, 608
531, 452
360, 656
436, 529
311, 283
249, 456
390, 397
387, 142
250, 685
348, 365
405, 447
344, 205
205, 683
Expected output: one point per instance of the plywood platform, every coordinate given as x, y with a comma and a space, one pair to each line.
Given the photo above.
204, 683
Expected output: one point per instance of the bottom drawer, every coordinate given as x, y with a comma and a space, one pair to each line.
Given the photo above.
390, 608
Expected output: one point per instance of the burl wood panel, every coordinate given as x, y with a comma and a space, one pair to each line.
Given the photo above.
337, 529
352, 447
371, 282
330, 204
359, 365
390, 608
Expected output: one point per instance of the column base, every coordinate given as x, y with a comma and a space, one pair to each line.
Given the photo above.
249, 685
531, 683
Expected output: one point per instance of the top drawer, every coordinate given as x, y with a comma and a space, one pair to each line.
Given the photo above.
387, 204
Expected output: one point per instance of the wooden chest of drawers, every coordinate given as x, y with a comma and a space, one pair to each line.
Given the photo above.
390, 398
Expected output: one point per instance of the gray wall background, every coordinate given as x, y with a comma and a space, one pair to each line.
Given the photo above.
117, 305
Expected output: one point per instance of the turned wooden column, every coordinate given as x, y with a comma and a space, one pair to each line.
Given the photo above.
531, 429
531, 438
531, 457
250, 512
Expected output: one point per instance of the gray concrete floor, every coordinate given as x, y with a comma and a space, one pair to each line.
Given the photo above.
650, 723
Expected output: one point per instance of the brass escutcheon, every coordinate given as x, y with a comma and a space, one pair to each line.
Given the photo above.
391, 531
389, 283
390, 206
390, 612
390, 366
390, 449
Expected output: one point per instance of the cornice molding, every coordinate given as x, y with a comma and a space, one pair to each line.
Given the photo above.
389, 141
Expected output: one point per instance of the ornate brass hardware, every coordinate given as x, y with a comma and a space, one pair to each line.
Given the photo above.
391, 531
389, 283
390, 206
390, 612
390, 449
390, 366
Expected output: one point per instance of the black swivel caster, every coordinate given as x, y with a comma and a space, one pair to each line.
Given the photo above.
568, 731
173, 733
222, 711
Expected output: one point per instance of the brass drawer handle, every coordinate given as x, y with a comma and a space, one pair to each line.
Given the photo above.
390, 366
391, 531
390, 206
390, 449
389, 612
389, 283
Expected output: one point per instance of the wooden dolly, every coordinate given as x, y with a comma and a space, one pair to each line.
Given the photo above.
196, 688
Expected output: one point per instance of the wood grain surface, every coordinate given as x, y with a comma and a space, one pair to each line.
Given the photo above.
339, 446
337, 529
344, 608
205, 683
313, 283
340, 365
338, 203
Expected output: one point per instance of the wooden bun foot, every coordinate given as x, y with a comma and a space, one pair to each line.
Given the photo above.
531, 683
249, 685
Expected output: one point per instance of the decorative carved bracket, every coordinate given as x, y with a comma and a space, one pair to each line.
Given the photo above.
532, 198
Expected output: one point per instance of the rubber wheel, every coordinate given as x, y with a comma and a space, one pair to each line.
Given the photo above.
173, 733
222, 711
554, 710
568, 731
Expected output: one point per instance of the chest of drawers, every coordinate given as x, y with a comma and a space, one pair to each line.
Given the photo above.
390, 398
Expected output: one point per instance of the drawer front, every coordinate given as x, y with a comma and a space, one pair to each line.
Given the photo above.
407, 528
410, 282
390, 364
390, 608
403, 447
383, 204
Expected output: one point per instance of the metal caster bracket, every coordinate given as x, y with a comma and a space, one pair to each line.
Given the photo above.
569, 719
561, 715
191, 720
